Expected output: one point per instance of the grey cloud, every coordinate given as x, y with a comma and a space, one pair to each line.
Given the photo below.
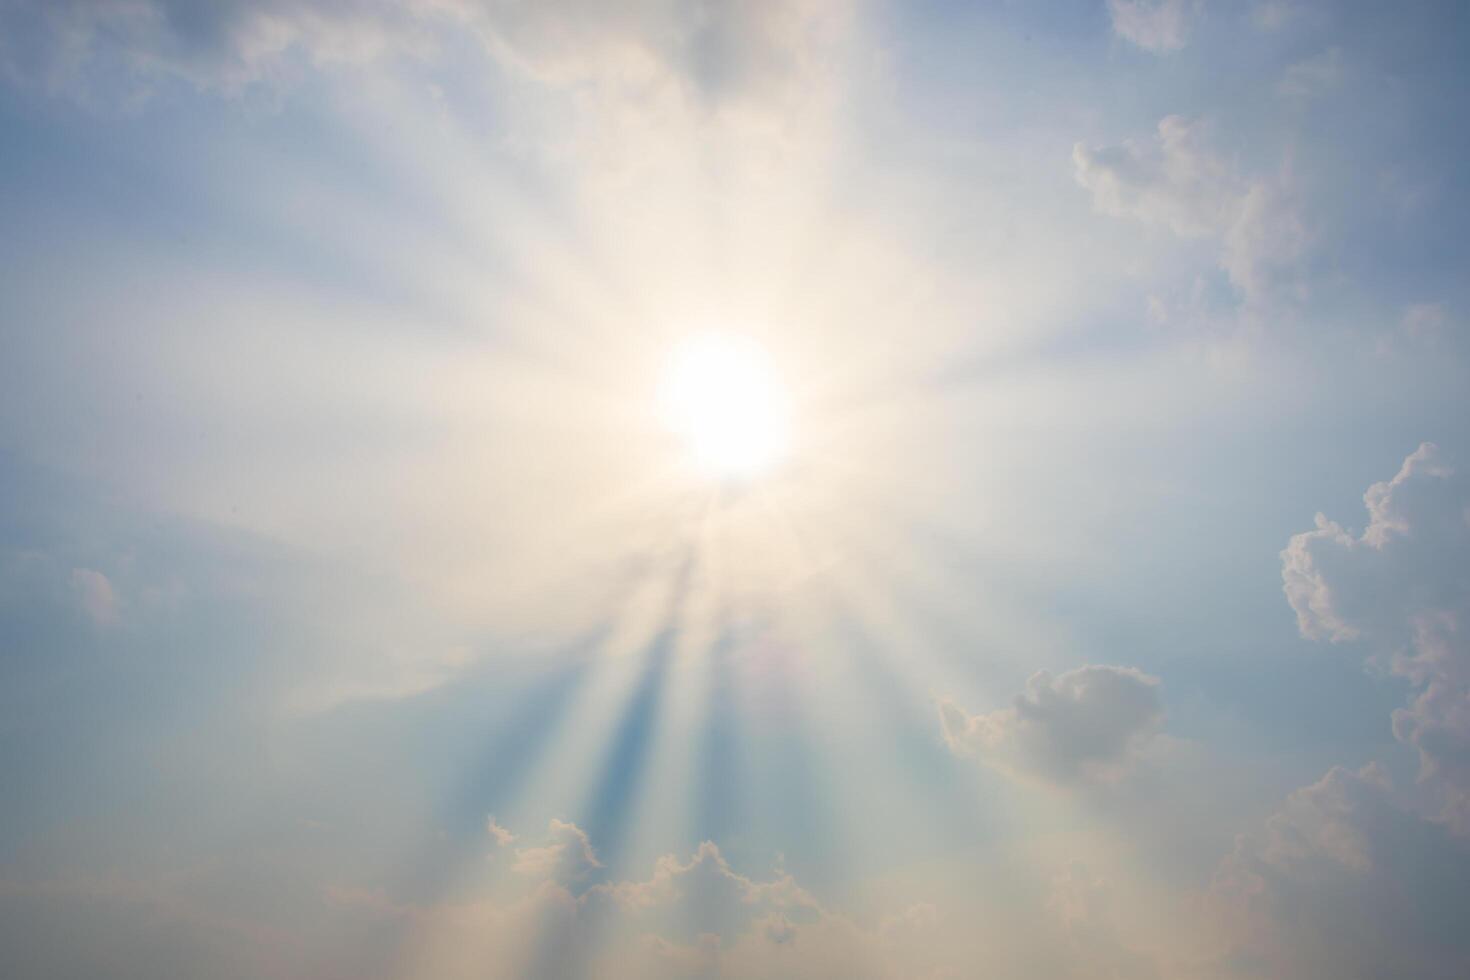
1343, 882
1084, 724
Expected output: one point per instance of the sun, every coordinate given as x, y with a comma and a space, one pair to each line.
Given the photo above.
722, 395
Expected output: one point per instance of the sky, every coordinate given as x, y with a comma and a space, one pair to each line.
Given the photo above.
822, 489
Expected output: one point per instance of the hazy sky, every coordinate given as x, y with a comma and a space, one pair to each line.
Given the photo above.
1102, 611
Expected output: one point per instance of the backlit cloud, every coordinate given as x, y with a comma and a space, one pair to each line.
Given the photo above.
1084, 724
1342, 881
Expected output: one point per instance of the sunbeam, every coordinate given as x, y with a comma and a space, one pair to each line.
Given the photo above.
645, 490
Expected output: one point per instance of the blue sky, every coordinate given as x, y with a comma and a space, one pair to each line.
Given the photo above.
1103, 611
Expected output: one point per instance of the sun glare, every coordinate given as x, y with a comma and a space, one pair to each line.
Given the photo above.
721, 394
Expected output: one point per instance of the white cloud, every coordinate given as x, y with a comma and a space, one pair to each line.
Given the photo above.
567, 857
1420, 327
1176, 181
498, 834
695, 917
1424, 322
1312, 76
1155, 25
1272, 15
1351, 878
1084, 724
1264, 241
1180, 182
1403, 588
94, 593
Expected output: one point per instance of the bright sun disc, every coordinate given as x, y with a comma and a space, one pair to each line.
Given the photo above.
721, 394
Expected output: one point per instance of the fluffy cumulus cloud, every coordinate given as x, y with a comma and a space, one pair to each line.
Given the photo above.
692, 917
1177, 180
1353, 877
1155, 25
1402, 587
1344, 882
567, 857
1085, 724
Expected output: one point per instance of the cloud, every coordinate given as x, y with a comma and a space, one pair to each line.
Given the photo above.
85, 47
1402, 587
1349, 877
1342, 881
1179, 182
1084, 724
1154, 25
498, 834
567, 857
1273, 15
744, 927
1312, 76
692, 917
1083, 904
95, 594
719, 50
1420, 327
1424, 323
